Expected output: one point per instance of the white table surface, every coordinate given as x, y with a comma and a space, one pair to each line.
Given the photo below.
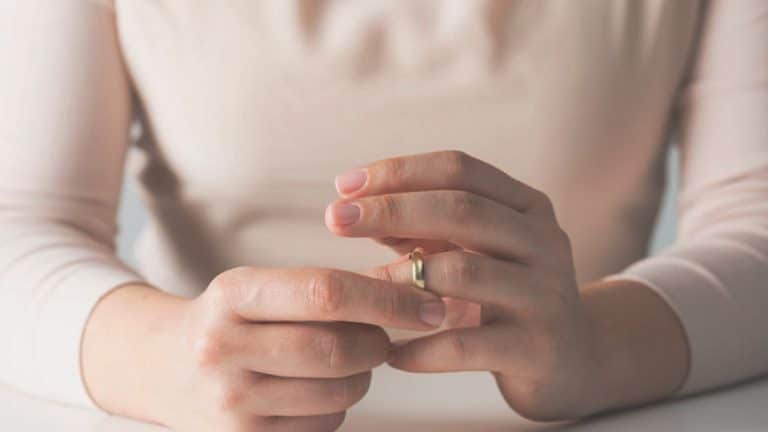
465, 402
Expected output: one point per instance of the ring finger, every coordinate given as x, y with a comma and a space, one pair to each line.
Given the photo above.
468, 276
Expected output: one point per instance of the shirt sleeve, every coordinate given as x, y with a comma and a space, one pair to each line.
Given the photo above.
64, 129
715, 276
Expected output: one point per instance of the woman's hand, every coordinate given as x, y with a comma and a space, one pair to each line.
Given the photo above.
493, 241
260, 350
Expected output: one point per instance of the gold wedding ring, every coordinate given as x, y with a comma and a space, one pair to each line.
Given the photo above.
417, 267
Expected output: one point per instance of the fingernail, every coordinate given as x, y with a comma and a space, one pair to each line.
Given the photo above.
345, 214
351, 181
432, 313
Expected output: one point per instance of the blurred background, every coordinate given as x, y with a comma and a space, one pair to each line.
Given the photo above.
132, 215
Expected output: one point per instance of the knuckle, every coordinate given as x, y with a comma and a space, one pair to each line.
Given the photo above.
543, 202
464, 268
394, 170
382, 273
563, 249
330, 349
466, 205
457, 165
210, 349
351, 391
326, 292
457, 347
391, 208
228, 397
296, 340
228, 288
219, 287
230, 277
232, 398
554, 302
393, 302
562, 238
221, 280
556, 247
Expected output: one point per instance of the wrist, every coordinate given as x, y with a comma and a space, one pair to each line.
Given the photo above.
610, 361
128, 350
640, 349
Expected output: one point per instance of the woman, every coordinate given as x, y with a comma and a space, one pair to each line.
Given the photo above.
249, 314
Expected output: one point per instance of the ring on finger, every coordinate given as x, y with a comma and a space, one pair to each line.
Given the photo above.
417, 267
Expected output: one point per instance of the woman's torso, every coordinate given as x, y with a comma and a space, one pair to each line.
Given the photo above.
251, 107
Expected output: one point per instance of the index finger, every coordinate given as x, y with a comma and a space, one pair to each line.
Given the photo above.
329, 295
445, 170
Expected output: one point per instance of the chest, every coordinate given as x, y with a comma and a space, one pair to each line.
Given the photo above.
244, 92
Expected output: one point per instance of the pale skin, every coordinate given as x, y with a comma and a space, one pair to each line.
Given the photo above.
293, 349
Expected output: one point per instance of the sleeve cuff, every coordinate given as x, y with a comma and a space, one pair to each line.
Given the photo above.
57, 339
704, 308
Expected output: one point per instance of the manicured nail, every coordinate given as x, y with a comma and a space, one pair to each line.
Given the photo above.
344, 214
432, 313
351, 181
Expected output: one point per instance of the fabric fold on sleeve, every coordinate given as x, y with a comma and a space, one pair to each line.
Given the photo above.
718, 287
65, 118
50, 318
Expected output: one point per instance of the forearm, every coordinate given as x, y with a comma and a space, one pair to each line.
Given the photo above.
127, 351
641, 345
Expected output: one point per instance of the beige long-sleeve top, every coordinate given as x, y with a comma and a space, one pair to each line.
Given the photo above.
250, 107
